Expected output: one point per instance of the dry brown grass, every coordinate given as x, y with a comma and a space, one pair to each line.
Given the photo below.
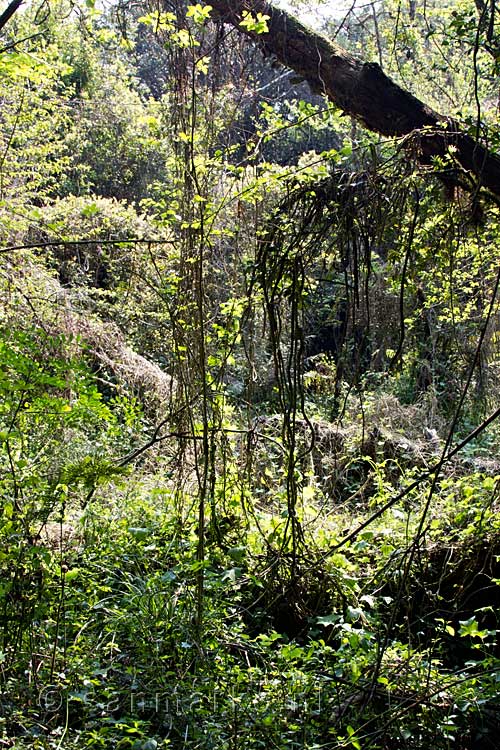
33, 299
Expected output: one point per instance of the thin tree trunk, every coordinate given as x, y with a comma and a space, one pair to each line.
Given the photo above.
362, 90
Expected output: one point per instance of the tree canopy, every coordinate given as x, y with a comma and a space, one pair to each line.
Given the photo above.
362, 89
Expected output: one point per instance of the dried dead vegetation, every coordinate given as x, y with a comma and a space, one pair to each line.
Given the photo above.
34, 299
341, 459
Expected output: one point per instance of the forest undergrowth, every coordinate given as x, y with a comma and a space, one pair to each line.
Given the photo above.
249, 382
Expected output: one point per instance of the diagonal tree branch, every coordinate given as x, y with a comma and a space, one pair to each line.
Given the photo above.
363, 90
9, 12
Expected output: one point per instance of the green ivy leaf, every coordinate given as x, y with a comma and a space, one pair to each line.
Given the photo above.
255, 24
199, 13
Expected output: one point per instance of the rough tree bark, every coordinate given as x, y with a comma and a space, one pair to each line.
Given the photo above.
362, 90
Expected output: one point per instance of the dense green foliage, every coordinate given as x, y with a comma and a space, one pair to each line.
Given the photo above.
249, 369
